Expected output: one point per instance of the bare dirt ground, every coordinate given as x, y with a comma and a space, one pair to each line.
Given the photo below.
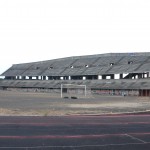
44, 104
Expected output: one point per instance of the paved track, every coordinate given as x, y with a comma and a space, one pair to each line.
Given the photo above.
116, 132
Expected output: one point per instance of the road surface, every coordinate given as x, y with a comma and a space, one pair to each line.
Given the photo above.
106, 132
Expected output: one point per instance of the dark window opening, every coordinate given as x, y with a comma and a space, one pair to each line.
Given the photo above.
50, 68
111, 64
130, 62
37, 67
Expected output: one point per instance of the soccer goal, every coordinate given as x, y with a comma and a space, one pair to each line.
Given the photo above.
73, 91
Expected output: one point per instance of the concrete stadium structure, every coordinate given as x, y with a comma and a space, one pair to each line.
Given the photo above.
113, 73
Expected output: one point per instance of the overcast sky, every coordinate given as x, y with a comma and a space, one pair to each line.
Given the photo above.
34, 30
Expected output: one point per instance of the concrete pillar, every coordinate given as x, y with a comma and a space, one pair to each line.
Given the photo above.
84, 78
69, 77
99, 77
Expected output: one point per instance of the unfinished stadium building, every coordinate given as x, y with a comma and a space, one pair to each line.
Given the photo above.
112, 73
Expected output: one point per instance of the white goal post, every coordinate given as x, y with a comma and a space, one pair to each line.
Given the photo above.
73, 90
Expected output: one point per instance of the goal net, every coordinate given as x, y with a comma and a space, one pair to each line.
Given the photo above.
73, 91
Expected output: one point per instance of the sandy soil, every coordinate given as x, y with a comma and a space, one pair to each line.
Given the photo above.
45, 104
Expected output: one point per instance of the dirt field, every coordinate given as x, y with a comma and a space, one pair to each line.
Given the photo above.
44, 104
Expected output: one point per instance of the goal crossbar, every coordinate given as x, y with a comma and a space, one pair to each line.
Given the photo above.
73, 86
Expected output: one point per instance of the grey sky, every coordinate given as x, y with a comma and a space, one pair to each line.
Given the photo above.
34, 30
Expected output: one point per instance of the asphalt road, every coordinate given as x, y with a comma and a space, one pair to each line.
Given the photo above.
110, 132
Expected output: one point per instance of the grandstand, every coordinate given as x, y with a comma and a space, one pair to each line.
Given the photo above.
112, 73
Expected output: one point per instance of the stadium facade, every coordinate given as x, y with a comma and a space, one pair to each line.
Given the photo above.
112, 73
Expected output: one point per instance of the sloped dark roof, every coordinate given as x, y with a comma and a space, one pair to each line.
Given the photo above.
112, 63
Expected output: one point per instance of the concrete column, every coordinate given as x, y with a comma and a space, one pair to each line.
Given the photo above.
99, 77
69, 77
84, 78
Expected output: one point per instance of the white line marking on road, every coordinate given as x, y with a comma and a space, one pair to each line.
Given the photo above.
132, 137
80, 146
